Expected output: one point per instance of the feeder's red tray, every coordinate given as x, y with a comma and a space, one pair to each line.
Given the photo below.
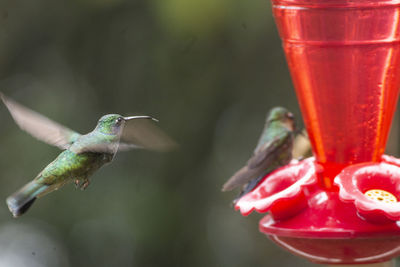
330, 231
336, 226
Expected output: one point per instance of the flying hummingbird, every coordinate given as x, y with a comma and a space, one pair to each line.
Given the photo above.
274, 149
83, 154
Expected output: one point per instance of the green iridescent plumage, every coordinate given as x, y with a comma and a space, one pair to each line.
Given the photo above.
83, 154
274, 149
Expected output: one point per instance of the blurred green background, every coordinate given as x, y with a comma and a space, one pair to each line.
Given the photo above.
209, 70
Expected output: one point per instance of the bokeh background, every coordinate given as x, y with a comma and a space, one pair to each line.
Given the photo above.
209, 70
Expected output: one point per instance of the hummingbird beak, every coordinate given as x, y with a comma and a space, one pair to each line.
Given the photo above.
140, 117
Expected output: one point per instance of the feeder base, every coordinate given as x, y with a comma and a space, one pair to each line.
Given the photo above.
341, 251
329, 231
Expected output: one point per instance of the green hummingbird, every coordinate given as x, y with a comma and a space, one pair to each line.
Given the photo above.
274, 149
82, 154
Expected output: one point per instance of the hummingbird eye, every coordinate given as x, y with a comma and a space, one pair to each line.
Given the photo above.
118, 120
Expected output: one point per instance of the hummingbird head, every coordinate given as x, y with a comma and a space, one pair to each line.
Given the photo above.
110, 124
114, 123
282, 115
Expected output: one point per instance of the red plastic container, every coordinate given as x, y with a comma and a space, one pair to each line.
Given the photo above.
344, 58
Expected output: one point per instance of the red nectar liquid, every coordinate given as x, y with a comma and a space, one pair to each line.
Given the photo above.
344, 59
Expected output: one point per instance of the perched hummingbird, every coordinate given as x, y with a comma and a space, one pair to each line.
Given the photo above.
274, 149
83, 154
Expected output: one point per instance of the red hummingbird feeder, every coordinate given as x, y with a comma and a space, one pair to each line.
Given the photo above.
341, 206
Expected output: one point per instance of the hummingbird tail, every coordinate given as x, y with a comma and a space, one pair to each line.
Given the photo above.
22, 200
241, 177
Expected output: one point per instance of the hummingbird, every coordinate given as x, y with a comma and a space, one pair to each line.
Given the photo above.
82, 155
273, 150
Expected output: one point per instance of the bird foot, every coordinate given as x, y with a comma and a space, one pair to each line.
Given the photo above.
82, 184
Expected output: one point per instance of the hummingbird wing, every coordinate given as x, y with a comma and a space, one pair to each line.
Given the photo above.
262, 155
143, 133
264, 160
137, 133
40, 126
